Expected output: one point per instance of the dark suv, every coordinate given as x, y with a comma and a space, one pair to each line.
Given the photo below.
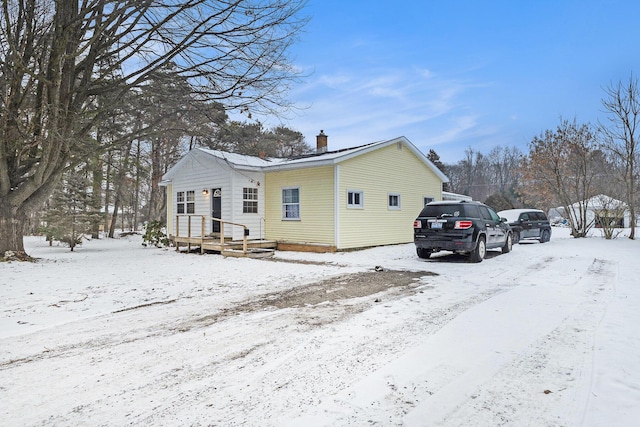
528, 224
462, 227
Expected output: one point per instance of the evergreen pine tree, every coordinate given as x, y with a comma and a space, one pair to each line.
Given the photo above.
70, 214
435, 159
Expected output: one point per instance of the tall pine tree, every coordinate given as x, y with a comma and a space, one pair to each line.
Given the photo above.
70, 214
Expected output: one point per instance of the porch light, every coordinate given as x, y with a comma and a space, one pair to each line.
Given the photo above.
205, 192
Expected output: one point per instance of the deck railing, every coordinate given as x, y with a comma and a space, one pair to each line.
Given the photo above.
202, 236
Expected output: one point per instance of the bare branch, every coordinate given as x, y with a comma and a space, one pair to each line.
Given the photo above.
68, 66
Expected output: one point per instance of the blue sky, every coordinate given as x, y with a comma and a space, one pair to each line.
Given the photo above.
449, 74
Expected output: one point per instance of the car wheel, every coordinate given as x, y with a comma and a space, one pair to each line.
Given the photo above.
477, 255
545, 237
423, 253
507, 244
516, 237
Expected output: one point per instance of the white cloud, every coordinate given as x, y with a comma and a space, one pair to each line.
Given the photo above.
386, 103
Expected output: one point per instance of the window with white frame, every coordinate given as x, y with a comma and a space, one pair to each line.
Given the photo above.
394, 201
186, 202
428, 199
355, 199
249, 200
291, 203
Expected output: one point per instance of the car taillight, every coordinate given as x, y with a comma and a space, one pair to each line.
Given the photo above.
463, 225
417, 224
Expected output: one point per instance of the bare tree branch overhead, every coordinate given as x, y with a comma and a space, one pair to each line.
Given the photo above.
68, 66
621, 138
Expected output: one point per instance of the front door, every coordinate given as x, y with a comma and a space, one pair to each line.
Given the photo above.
216, 208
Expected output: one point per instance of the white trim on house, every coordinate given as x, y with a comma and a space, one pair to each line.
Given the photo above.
360, 198
336, 205
299, 204
396, 207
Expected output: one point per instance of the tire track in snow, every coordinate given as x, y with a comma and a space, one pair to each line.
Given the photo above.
276, 364
553, 380
452, 363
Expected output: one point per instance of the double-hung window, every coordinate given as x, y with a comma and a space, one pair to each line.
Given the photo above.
355, 199
186, 202
249, 200
291, 203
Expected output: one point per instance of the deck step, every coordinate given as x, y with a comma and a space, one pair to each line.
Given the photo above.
251, 253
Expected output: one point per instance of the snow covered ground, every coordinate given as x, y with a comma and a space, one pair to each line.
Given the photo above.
118, 334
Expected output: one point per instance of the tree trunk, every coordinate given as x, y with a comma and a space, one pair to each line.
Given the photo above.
12, 226
136, 201
96, 196
14, 216
632, 235
107, 191
119, 188
114, 217
156, 174
631, 190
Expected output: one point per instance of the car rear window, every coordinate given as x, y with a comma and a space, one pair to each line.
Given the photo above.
540, 216
454, 210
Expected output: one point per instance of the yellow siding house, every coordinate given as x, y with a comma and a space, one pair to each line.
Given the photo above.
352, 198
326, 201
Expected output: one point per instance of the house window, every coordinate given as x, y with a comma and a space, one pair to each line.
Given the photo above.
249, 200
186, 202
394, 201
355, 199
291, 203
428, 199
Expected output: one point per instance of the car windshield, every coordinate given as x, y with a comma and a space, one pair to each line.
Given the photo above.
511, 216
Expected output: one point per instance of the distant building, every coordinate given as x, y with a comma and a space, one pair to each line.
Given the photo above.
454, 196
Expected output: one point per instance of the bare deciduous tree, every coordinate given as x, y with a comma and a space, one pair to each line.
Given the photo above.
562, 166
622, 103
505, 168
58, 57
468, 175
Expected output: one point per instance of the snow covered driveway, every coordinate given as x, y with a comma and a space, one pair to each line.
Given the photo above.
116, 334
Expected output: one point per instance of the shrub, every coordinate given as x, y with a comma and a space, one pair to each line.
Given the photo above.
154, 235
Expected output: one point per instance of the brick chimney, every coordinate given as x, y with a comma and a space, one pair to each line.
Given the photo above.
321, 142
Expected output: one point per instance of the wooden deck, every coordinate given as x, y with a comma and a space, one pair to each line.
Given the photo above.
257, 248
254, 248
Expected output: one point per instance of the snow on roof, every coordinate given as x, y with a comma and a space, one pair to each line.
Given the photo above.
328, 156
292, 162
241, 161
601, 201
258, 162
